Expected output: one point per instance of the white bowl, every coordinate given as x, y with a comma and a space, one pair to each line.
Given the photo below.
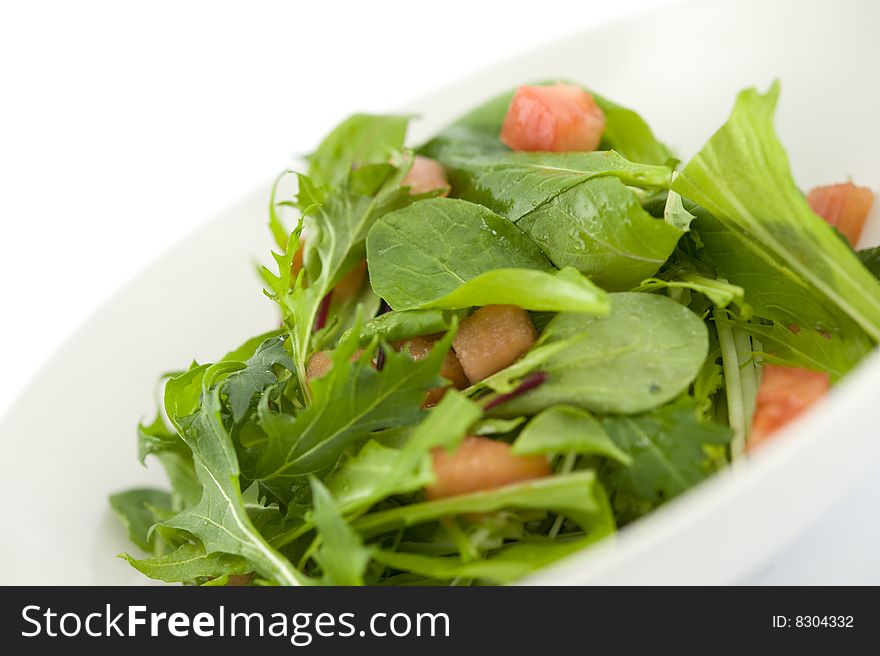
69, 439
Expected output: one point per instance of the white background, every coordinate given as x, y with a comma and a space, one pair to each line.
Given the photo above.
125, 125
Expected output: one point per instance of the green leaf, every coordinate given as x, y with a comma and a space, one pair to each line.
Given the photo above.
563, 291
577, 496
641, 355
497, 426
836, 354
242, 386
220, 519
627, 133
378, 472
675, 214
668, 451
742, 177
507, 565
600, 228
189, 563
514, 184
359, 140
429, 249
135, 508
565, 429
341, 553
348, 403
721, 293
870, 258
362, 480
338, 227
398, 325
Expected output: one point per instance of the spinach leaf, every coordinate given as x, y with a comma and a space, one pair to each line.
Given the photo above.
742, 177
426, 250
641, 355
600, 228
189, 563
566, 429
341, 554
627, 133
514, 184
668, 447
563, 291
137, 509
359, 140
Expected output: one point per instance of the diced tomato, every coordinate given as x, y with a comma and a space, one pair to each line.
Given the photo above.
845, 206
480, 463
425, 175
784, 393
557, 117
492, 338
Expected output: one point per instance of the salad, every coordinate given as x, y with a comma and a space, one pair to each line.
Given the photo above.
502, 346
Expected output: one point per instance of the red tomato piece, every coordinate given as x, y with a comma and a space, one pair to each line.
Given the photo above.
784, 393
557, 117
845, 206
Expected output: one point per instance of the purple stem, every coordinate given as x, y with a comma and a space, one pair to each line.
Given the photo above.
323, 311
383, 307
530, 382
380, 358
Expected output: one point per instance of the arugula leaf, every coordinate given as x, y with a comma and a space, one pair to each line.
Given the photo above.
340, 225
836, 354
189, 563
242, 386
600, 228
361, 480
668, 451
378, 472
341, 554
220, 519
566, 429
348, 403
359, 140
577, 495
136, 509
641, 355
721, 293
742, 177
430, 248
